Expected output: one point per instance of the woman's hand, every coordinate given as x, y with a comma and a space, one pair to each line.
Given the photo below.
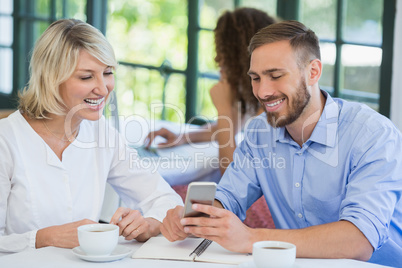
171, 138
133, 225
62, 236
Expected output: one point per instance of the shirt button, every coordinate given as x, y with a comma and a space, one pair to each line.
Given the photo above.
297, 184
300, 215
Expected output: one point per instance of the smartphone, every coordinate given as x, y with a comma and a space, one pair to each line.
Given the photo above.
199, 193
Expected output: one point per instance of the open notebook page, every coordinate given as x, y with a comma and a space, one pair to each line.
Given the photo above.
160, 248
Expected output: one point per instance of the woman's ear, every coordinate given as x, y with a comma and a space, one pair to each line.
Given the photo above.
315, 70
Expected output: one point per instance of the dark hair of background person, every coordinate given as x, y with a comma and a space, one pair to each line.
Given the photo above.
233, 33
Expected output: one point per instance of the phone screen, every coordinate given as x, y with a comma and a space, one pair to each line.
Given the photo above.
199, 193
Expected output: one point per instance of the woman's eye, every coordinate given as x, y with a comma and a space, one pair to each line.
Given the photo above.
256, 79
85, 77
108, 73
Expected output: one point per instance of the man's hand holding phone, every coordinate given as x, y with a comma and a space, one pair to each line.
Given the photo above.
222, 227
197, 192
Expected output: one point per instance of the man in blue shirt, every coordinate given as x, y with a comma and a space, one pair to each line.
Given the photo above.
330, 170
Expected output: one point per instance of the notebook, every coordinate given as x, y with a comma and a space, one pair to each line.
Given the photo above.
190, 249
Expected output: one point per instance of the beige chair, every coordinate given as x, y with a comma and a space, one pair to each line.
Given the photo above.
5, 112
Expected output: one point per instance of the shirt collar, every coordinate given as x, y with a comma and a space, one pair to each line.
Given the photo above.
325, 132
281, 135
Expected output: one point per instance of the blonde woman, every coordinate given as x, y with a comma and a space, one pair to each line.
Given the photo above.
58, 152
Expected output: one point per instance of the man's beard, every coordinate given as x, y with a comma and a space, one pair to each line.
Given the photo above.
300, 101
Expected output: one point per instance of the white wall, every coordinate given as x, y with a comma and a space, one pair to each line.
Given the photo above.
396, 91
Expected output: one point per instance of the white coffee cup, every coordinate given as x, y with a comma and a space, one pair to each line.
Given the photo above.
274, 254
98, 239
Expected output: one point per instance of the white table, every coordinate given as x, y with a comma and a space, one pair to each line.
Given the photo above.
58, 257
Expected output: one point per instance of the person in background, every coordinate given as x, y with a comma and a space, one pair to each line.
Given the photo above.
232, 96
330, 170
58, 152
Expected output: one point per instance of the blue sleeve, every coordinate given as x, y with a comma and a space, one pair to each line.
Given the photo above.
375, 184
239, 188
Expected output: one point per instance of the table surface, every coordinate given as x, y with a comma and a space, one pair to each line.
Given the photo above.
59, 257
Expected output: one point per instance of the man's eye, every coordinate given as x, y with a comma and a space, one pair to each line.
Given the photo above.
276, 77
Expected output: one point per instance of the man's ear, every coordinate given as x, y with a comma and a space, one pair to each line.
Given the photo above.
315, 70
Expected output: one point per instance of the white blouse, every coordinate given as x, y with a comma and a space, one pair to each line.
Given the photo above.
38, 190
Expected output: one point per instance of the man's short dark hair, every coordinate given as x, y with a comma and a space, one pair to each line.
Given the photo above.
303, 40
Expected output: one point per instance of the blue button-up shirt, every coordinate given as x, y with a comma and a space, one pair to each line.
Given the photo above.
349, 169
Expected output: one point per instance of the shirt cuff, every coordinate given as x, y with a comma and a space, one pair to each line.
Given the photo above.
32, 239
366, 227
222, 198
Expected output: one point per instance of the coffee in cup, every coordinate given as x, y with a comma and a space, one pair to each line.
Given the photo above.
270, 254
98, 239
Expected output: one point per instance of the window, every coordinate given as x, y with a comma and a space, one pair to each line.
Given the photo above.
150, 40
160, 59
351, 46
6, 52
31, 18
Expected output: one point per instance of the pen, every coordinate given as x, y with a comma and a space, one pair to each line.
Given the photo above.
200, 248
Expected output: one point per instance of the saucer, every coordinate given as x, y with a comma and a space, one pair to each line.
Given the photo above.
118, 253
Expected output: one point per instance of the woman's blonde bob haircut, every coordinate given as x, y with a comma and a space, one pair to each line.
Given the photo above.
54, 60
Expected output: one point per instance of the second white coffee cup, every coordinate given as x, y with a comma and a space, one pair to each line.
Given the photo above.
98, 239
274, 254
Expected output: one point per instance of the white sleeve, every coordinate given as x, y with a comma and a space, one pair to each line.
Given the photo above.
139, 186
17, 242
13, 242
